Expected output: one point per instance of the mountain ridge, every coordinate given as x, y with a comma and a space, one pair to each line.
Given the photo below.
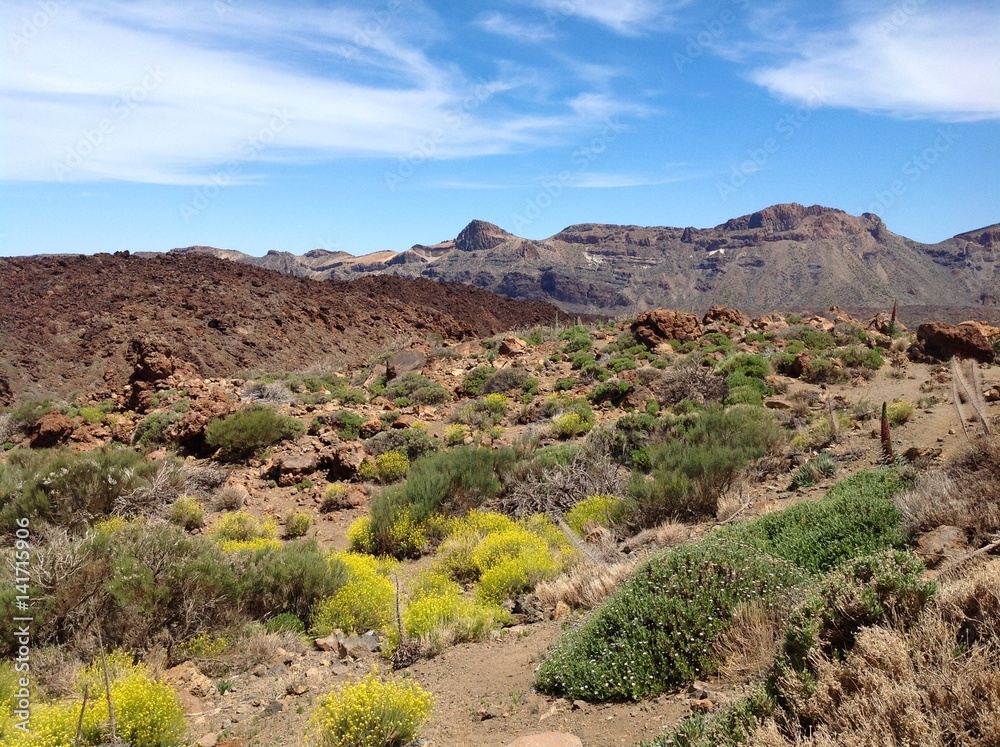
783, 256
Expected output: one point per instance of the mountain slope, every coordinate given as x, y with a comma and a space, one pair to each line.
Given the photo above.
784, 256
71, 322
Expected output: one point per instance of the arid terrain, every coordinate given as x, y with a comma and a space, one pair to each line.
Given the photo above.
191, 439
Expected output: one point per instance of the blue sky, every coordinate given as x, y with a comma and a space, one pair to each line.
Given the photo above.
367, 126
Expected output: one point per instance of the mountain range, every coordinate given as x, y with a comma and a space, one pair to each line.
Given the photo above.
784, 256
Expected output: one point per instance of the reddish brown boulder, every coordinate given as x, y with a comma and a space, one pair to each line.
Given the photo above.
51, 429
661, 325
190, 429
513, 346
943, 341
882, 322
723, 314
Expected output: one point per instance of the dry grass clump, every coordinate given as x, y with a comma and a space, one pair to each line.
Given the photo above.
746, 649
966, 494
231, 497
936, 685
586, 585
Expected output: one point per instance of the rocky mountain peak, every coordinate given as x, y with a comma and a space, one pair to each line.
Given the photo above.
480, 235
781, 217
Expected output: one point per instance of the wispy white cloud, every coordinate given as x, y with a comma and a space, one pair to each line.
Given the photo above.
931, 62
596, 180
626, 17
513, 28
169, 92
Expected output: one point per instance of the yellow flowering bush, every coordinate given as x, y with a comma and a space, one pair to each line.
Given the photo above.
606, 510
439, 615
391, 466
365, 602
148, 713
371, 713
239, 530
504, 556
359, 535
205, 646
187, 512
496, 403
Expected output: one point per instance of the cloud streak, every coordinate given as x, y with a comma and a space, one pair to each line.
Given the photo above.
940, 63
79, 105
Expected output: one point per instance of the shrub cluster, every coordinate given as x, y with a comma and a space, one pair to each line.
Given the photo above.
417, 389
250, 430
365, 601
706, 453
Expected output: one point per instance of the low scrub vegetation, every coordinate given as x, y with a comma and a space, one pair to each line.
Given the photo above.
249, 430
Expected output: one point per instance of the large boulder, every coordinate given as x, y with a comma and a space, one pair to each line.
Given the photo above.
657, 326
723, 314
942, 341
403, 362
51, 429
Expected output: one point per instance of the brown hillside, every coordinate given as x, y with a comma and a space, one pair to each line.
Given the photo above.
68, 323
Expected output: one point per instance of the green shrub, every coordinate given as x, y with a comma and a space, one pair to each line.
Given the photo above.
438, 615
900, 412
72, 489
151, 430
418, 389
565, 385
28, 413
867, 590
576, 339
347, 424
656, 632
297, 523
334, 497
860, 356
507, 380
250, 430
569, 425
454, 435
371, 713
823, 465
855, 517
187, 513
706, 453
289, 579
413, 443
286, 622
451, 482
613, 390
606, 510
472, 382
733, 725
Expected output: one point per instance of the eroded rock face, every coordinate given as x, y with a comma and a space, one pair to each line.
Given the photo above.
403, 362
943, 341
661, 325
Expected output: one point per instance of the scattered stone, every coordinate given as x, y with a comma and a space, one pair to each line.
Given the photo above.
188, 677
209, 740
485, 714
562, 610
702, 706
579, 705
330, 643
404, 421
359, 646
297, 688
273, 707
